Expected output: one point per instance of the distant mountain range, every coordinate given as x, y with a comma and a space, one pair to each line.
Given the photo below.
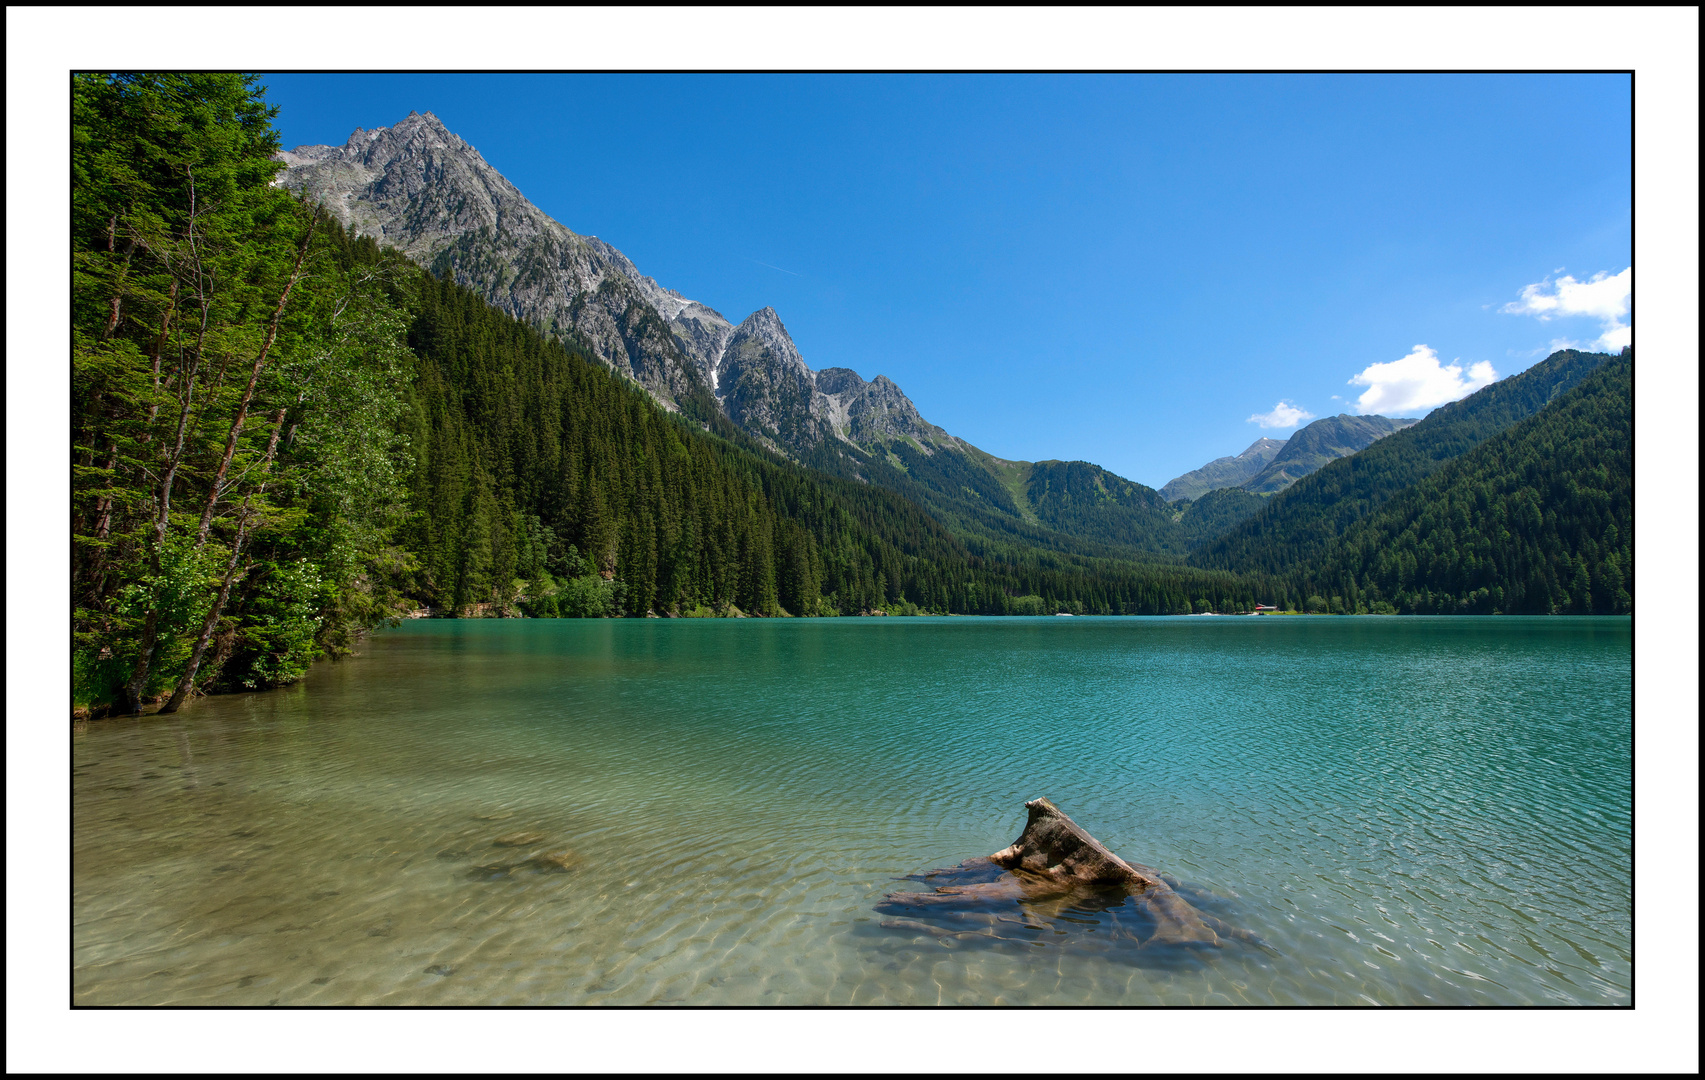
1270, 509
1325, 440
1271, 465
1225, 472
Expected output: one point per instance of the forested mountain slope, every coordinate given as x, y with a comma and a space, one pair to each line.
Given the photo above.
1298, 523
1087, 501
1212, 515
1071, 507
1536, 520
547, 484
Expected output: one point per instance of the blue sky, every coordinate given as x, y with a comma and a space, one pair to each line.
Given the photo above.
1121, 269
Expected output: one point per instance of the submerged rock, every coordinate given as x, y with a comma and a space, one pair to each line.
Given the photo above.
1053, 868
554, 861
549, 862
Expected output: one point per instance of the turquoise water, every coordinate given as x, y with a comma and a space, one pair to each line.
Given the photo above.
1410, 811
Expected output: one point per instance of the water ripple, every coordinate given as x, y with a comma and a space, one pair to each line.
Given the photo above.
719, 807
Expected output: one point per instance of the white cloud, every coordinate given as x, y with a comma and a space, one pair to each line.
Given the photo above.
1603, 297
1417, 383
1284, 415
1615, 338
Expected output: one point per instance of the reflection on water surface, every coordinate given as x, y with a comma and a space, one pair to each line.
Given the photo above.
710, 812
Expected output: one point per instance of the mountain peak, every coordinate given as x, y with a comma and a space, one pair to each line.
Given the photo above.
1327, 439
427, 119
839, 380
423, 129
765, 326
1263, 445
1223, 472
419, 187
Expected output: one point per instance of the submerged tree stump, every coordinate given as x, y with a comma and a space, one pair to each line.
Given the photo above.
1055, 865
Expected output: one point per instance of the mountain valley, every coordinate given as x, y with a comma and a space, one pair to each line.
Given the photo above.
421, 189
287, 429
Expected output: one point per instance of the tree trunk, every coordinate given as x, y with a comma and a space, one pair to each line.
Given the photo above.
209, 624
116, 303
174, 458
144, 658
1053, 865
154, 354
93, 572
249, 391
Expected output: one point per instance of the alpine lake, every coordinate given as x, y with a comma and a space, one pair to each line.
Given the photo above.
1407, 811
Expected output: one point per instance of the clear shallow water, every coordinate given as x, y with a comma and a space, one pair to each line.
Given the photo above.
1411, 811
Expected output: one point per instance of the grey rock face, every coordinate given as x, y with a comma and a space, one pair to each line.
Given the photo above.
765, 387
868, 413
1223, 472
420, 188
423, 190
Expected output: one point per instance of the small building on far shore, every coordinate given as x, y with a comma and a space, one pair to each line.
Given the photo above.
1259, 608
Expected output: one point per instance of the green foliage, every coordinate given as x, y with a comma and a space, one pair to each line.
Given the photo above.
1297, 524
236, 414
1536, 520
589, 597
1087, 501
281, 624
1215, 513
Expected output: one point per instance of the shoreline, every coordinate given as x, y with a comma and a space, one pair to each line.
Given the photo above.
83, 716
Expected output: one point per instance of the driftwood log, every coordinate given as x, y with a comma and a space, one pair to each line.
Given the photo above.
1054, 867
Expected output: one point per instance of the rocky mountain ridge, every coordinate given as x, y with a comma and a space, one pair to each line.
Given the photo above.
423, 190
420, 188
